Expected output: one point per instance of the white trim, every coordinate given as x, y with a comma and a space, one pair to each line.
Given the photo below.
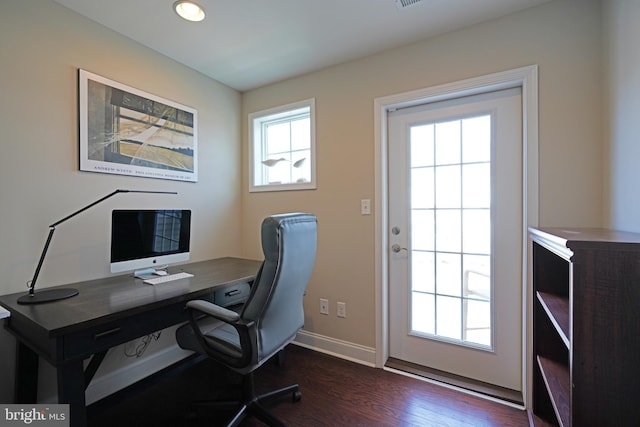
113, 381
283, 111
338, 348
456, 388
530, 184
525, 77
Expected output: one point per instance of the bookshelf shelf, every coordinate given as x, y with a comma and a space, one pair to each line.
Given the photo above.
586, 326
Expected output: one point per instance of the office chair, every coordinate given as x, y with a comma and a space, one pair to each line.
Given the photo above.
269, 320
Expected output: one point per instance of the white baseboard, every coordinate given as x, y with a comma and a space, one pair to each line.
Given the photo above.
103, 386
338, 348
118, 379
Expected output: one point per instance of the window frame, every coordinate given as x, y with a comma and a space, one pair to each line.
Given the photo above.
255, 144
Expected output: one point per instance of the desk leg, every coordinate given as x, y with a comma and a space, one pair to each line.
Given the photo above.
26, 381
71, 391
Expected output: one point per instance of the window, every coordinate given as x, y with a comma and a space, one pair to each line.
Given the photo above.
451, 229
282, 148
166, 236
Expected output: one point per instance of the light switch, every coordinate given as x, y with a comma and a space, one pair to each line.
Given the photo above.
365, 207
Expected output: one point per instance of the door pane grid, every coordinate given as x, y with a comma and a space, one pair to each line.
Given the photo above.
450, 253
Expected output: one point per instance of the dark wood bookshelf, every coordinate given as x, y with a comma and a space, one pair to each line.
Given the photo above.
556, 380
557, 308
586, 326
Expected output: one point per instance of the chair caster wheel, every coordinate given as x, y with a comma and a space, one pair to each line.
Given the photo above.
297, 396
192, 414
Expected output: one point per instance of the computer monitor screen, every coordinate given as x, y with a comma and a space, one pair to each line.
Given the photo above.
147, 239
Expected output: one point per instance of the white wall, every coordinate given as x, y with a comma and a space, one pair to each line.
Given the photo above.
42, 45
623, 124
563, 37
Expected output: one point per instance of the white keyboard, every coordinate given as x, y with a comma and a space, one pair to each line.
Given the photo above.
168, 278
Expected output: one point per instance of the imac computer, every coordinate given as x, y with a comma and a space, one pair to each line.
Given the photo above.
145, 240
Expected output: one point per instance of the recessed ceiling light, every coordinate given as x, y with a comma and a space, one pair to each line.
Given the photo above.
189, 10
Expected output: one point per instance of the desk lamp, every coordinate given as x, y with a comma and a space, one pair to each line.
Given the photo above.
48, 295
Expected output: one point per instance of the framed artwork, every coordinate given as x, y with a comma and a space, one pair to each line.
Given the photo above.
127, 131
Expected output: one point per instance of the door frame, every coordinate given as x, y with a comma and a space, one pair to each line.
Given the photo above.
527, 79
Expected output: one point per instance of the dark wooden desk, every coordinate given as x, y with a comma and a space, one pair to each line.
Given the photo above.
107, 312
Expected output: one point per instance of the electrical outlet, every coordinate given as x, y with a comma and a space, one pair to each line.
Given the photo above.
342, 309
324, 306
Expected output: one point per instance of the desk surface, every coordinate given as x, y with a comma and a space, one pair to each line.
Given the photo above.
104, 300
106, 313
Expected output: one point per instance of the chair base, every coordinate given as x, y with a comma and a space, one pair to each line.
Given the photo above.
252, 405
257, 408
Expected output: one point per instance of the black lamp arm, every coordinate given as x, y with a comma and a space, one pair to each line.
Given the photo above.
32, 283
105, 198
52, 228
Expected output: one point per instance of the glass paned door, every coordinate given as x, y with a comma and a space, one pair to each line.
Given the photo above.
450, 202
455, 258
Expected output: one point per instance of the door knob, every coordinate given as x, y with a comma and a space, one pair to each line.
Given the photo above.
396, 248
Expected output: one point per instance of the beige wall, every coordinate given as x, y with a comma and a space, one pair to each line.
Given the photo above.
563, 37
621, 135
41, 47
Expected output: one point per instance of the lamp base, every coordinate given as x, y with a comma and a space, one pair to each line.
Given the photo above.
47, 295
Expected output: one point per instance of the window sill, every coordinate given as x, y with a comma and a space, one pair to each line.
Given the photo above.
282, 187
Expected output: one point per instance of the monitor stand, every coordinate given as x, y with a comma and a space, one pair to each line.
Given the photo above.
146, 272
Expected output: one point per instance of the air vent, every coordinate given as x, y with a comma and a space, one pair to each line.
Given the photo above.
403, 4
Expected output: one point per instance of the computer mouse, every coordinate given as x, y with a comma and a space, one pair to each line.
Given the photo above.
160, 273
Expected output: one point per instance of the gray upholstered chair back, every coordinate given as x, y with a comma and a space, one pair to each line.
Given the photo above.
275, 303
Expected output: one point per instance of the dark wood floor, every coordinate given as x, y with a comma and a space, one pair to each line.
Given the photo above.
335, 393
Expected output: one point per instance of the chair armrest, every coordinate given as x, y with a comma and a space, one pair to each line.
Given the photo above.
221, 313
245, 329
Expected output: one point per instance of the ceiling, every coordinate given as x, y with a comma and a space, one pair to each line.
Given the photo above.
250, 43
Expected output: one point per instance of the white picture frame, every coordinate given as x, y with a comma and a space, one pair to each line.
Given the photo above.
126, 131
